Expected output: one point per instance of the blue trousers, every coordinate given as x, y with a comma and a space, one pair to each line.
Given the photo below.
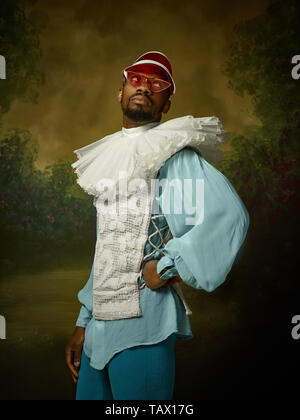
144, 372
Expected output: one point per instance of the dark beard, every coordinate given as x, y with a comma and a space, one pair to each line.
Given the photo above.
138, 114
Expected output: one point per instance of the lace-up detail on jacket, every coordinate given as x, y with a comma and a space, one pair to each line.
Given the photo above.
156, 248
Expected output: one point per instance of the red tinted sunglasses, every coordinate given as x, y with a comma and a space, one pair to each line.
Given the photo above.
137, 79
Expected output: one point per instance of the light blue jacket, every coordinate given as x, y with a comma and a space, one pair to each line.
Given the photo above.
202, 254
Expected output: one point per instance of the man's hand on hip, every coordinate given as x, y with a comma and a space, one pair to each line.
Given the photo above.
152, 279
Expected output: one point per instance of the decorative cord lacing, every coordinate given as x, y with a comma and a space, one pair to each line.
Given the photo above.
156, 248
175, 286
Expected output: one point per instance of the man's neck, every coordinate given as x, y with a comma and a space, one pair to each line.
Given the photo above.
130, 124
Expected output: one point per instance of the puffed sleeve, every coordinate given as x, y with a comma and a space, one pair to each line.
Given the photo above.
212, 226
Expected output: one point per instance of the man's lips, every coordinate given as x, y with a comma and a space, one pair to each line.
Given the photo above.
140, 100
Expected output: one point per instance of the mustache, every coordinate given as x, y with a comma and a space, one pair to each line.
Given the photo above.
141, 96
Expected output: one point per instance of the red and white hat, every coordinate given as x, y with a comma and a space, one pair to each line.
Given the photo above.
154, 60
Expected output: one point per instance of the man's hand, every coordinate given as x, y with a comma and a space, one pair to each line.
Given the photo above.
73, 352
152, 279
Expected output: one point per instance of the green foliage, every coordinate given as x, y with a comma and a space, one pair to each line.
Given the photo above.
264, 163
39, 208
20, 45
259, 64
61, 178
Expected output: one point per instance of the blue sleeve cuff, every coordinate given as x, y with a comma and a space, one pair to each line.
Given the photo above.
184, 272
84, 317
163, 263
180, 269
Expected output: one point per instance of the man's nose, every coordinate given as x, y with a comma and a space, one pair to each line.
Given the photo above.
145, 87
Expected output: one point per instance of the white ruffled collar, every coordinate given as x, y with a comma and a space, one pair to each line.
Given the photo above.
139, 152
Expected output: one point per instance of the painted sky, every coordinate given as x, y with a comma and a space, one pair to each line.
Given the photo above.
87, 43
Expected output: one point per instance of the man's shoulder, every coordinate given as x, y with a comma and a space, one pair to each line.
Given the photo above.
180, 160
185, 154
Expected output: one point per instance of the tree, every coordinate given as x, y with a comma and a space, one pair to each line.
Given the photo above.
20, 45
264, 163
259, 64
43, 214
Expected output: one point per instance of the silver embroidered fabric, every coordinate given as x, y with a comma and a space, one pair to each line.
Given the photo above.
119, 252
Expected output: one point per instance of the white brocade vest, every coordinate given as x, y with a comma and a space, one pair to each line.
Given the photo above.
121, 170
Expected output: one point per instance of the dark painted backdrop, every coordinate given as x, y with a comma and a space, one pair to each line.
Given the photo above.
63, 71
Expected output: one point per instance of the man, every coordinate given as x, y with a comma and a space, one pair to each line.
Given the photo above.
123, 344
141, 106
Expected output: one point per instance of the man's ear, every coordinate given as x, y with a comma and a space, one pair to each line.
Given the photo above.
166, 106
120, 93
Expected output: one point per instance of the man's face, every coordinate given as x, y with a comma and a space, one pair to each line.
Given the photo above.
140, 104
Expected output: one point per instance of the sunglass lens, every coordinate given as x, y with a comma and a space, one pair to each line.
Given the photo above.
159, 85
136, 79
